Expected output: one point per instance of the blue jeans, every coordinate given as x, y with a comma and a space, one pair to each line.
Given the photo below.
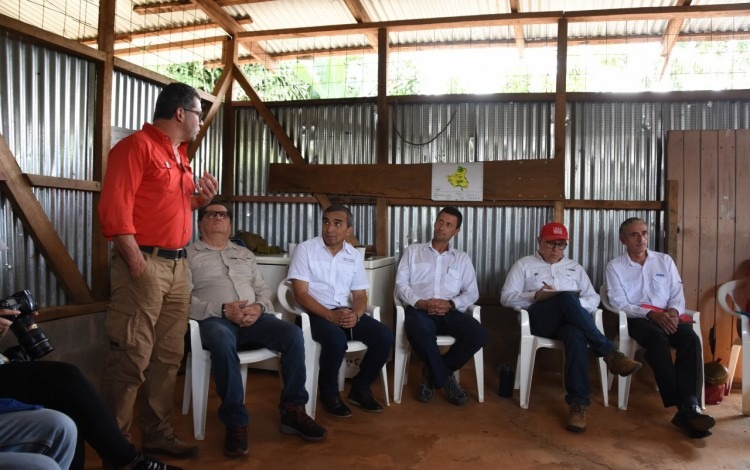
562, 317
27, 461
333, 338
45, 432
422, 330
223, 338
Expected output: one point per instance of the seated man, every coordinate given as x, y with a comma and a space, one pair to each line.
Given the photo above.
436, 283
647, 287
565, 316
325, 271
62, 387
35, 438
231, 302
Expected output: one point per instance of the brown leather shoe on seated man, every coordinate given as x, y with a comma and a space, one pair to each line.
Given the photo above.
577, 417
172, 445
620, 364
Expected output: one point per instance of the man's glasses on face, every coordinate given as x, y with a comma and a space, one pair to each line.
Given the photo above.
198, 113
555, 245
221, 215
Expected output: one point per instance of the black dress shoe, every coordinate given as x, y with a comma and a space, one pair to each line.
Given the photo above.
365, 401
693, 421
335, 406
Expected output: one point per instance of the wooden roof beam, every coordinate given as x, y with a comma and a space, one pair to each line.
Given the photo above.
191, 28
361, 16
184, 5
669, 39
517, 28
233, 28
310, 53
426, 24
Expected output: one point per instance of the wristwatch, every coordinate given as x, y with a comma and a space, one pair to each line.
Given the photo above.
453, 304
223, 310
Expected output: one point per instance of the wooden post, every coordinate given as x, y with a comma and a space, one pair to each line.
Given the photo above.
102, 143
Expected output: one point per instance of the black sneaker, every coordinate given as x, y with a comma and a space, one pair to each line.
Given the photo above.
235, 442
426, 389
456, 394
294, 420
335, 406
144, 462
365, 401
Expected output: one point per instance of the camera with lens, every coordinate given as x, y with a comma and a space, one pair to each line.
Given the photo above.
30, 337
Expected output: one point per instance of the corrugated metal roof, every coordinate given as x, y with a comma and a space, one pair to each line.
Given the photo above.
77, 19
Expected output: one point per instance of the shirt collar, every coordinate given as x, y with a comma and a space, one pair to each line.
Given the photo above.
200, 245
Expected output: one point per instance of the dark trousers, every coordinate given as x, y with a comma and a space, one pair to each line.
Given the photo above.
62, 387
562, 317
376, 336
422, 330
680, 381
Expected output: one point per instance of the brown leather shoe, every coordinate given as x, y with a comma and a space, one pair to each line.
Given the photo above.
620, 364
171, 445
577, 418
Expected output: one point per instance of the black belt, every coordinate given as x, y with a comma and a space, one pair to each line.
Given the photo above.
163, 253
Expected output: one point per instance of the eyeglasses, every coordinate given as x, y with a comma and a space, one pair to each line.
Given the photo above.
221, 215
200, 114
555, 245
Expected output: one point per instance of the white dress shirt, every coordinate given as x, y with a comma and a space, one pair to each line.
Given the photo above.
331, 278
530, 273
656, 283
423, 273
220, 276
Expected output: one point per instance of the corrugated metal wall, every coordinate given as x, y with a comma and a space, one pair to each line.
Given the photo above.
614, 152
46, 118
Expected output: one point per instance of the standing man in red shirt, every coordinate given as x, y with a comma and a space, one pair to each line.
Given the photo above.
146, 209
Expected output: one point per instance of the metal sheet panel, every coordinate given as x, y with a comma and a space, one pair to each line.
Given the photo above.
47, 120
471, 132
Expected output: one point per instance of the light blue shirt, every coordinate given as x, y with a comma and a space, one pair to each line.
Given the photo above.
656, 283
423, 273
331, 278
530, 273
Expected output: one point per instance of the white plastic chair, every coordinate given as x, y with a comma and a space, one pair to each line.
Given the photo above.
312, 348
727, 290
527, 355
403, 353
628, 346
198, 373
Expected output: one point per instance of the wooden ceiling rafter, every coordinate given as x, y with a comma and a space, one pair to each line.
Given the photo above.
250, 40
184, 5
200, 26
214, 10
609, 40
360, 14
517, 28
476, 21
669, 39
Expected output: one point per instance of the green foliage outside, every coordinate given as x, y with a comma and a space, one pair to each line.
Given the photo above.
622, 68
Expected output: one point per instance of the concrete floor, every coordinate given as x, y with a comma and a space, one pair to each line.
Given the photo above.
494, 434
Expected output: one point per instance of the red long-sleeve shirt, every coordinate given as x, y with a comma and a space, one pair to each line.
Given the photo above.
147, 191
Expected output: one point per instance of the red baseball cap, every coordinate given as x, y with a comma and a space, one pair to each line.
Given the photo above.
554, 231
